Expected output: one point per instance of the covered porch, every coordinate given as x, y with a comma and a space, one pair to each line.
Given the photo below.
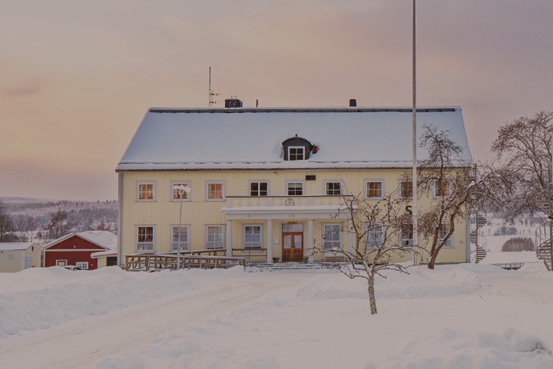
287, 227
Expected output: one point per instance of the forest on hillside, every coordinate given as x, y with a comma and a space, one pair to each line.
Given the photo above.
28, 219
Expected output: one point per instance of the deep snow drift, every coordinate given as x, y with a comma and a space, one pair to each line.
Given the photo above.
461, 317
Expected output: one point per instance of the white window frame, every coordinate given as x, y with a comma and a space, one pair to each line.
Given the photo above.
258, 189
369, 238
244, 243
136, 243
449, 244
401, 238
223, 188
82, 264
154, 190
302, 182
400, 190
64, 260
171, 227
297, 147
186, 196
324, 233
435, 189
327, 181
206, 239
366, 188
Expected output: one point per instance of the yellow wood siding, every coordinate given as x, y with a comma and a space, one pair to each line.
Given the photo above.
197, 212
14, 265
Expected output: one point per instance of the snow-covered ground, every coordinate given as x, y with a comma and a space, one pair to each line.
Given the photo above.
458, 317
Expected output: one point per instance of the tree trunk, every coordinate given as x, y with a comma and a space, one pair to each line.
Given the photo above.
372, 299
432, 261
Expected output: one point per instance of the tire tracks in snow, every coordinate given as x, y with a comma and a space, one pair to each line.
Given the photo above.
82, 343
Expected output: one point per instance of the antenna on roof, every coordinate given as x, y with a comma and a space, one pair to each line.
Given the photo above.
211, 93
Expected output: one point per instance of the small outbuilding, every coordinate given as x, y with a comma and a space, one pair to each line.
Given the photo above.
17, 256
77, 249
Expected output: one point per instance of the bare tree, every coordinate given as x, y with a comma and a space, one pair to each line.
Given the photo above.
524, 150
6, 224
376, 227
25, 224
447, 179
59, 225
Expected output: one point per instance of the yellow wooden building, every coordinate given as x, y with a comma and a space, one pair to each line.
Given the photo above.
17, 256
267, 180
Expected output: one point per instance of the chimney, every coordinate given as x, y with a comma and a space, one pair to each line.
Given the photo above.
233, 102
352, 103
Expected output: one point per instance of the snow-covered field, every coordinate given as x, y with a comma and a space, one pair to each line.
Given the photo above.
461, 317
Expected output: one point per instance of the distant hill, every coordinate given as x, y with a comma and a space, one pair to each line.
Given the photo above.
87, 215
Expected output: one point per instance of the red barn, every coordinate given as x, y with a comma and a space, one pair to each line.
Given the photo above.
76, 249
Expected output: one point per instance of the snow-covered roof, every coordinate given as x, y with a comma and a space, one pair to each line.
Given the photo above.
251, 138
15, 246
103, 239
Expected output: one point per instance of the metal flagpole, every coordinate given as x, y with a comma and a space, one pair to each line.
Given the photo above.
415, 192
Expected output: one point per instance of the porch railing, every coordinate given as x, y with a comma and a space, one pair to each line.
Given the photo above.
259, 201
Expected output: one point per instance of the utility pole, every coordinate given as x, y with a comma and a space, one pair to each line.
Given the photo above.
414, 253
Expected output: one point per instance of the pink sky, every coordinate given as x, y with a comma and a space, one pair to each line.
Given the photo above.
77, 77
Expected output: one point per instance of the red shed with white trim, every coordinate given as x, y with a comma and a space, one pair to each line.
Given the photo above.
76, 249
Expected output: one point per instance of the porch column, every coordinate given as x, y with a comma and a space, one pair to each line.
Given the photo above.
350, 236
269, 241
310, 239
229, 237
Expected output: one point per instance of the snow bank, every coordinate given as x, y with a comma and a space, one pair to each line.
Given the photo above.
43, 297
419, 283
462, 350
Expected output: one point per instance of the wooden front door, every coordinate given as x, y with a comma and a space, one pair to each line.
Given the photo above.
292, 246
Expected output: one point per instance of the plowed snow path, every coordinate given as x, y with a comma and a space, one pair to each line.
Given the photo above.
82, 343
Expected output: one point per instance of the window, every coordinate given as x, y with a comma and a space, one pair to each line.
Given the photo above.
215, 191
146, 191
333, 188
374, 189
145, 238
406, 235
10, 257
214, 237
441, 188
406, 189
252, 237
442, 232
175, 193
259, 188
296, 153
82, 264
331, 236
180, 237
295, 188
375, 236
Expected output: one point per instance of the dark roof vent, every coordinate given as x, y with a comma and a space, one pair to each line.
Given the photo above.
352, 103
233, 102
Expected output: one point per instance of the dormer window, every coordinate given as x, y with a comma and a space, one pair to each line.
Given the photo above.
296, 153
297, 148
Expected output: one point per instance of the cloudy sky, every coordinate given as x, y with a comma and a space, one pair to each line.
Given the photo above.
77, 77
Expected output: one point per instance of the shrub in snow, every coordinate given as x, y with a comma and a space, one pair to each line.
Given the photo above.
518, 244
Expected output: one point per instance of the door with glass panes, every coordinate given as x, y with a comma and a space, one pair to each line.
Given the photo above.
292, 242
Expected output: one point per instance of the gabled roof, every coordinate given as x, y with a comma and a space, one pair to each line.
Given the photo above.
15, 246
104, 239
219, 139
